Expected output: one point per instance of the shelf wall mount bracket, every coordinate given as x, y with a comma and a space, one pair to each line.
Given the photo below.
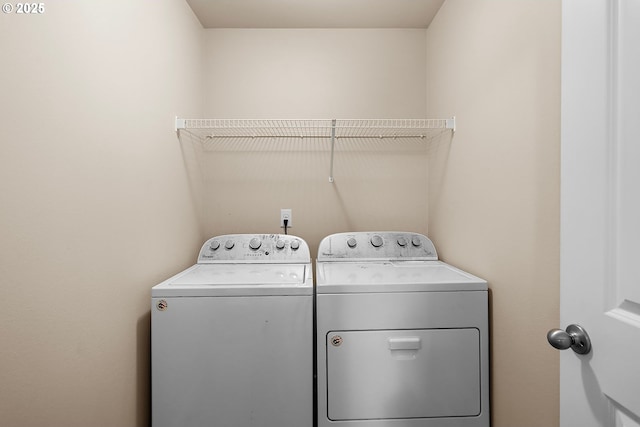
180, 124
451, 124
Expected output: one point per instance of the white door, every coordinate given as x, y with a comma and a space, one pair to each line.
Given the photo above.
600, 215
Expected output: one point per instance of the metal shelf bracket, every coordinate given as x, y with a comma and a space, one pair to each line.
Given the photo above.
180, 124
333, 143
451, 124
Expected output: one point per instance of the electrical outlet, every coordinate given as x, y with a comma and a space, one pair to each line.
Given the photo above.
285, 214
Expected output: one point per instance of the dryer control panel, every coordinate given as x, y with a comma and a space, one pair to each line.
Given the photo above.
377, 245
255, 248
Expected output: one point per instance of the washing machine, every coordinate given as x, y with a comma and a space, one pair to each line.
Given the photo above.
402, 338
232, 336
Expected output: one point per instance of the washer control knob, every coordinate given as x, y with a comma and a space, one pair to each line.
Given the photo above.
255, 243
214, 245
352, 242
280, 244
415, 241
376, 241
229, 244
402, 242
295, 244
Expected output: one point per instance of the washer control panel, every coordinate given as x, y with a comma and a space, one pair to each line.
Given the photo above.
380, 245
251, 248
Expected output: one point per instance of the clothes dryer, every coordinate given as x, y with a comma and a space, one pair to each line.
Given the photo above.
232, 336
402, 338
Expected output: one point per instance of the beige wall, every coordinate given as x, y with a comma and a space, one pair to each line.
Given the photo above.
494, 190
315, 73
95, 206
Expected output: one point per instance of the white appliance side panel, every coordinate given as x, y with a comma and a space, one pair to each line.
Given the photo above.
232, 361
424, 373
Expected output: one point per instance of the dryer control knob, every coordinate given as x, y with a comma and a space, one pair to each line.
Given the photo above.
416, 241
352, 242
214, 245
295, 244
229, 244
280, 244
402, 242
255, 243
376, 241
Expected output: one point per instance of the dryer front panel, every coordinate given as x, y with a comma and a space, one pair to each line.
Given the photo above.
403, 374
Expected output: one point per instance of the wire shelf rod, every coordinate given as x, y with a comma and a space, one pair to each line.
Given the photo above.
420, 136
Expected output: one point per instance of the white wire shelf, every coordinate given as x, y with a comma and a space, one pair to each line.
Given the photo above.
333, 129
313, 128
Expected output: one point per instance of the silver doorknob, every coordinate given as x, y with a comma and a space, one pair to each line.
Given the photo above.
575, 337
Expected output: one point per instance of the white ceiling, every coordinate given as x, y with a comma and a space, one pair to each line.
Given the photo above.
315, 13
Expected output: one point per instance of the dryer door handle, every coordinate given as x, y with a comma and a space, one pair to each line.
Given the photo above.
404, 343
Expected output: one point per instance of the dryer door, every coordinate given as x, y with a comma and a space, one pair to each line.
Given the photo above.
394, 374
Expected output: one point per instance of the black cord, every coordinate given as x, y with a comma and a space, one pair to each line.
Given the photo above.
286, 223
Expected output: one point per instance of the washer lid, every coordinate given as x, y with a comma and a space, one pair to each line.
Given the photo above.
238, 280
398, 276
